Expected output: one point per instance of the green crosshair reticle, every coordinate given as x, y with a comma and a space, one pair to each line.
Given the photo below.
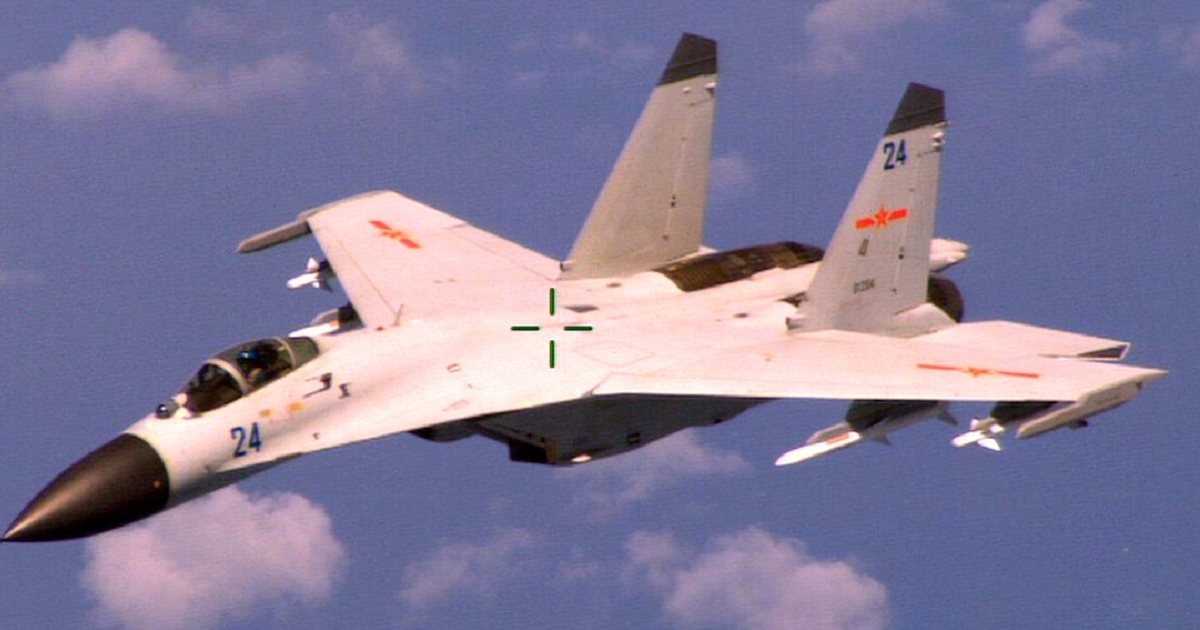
553, 360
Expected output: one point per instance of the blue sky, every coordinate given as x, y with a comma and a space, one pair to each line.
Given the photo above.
140, 145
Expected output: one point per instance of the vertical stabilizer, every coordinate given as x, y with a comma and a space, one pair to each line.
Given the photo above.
875, 273
651, 210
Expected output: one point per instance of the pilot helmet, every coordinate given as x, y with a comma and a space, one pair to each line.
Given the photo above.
250, 355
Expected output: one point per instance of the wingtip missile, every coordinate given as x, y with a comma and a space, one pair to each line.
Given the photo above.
1075, 414
1034, 418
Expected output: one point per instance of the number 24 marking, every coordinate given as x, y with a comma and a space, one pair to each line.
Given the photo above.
245, 440
896, 154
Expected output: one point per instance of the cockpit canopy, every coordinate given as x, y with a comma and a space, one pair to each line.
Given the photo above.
240, 370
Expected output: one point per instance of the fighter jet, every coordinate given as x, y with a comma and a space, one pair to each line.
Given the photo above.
452, 332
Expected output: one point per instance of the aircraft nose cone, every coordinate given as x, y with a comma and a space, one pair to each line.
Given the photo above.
119, 483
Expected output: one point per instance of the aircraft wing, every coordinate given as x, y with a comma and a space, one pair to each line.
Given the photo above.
837, 364
399, 259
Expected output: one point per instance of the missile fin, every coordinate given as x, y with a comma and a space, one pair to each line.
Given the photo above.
991, 444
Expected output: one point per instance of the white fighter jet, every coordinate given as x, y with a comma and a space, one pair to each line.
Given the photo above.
453, 332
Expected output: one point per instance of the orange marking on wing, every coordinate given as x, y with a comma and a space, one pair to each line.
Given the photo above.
930, 366
976, 372
1019, 374
394, 234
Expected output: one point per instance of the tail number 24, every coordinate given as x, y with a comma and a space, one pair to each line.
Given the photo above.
897, 154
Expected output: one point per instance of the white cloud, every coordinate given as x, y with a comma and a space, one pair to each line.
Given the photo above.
583, 40
225, 556
731, 175
754, 580
1183, 43
132, 68
840, 31
1057, 47
375, 51
614, 483
456, 569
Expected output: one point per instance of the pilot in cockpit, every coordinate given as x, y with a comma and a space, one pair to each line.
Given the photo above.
259, 363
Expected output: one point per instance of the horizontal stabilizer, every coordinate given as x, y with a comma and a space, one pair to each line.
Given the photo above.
1002, 336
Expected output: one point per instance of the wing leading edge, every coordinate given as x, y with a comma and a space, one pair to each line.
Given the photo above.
398, 258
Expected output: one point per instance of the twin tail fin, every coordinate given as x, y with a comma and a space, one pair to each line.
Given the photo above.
875, 274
